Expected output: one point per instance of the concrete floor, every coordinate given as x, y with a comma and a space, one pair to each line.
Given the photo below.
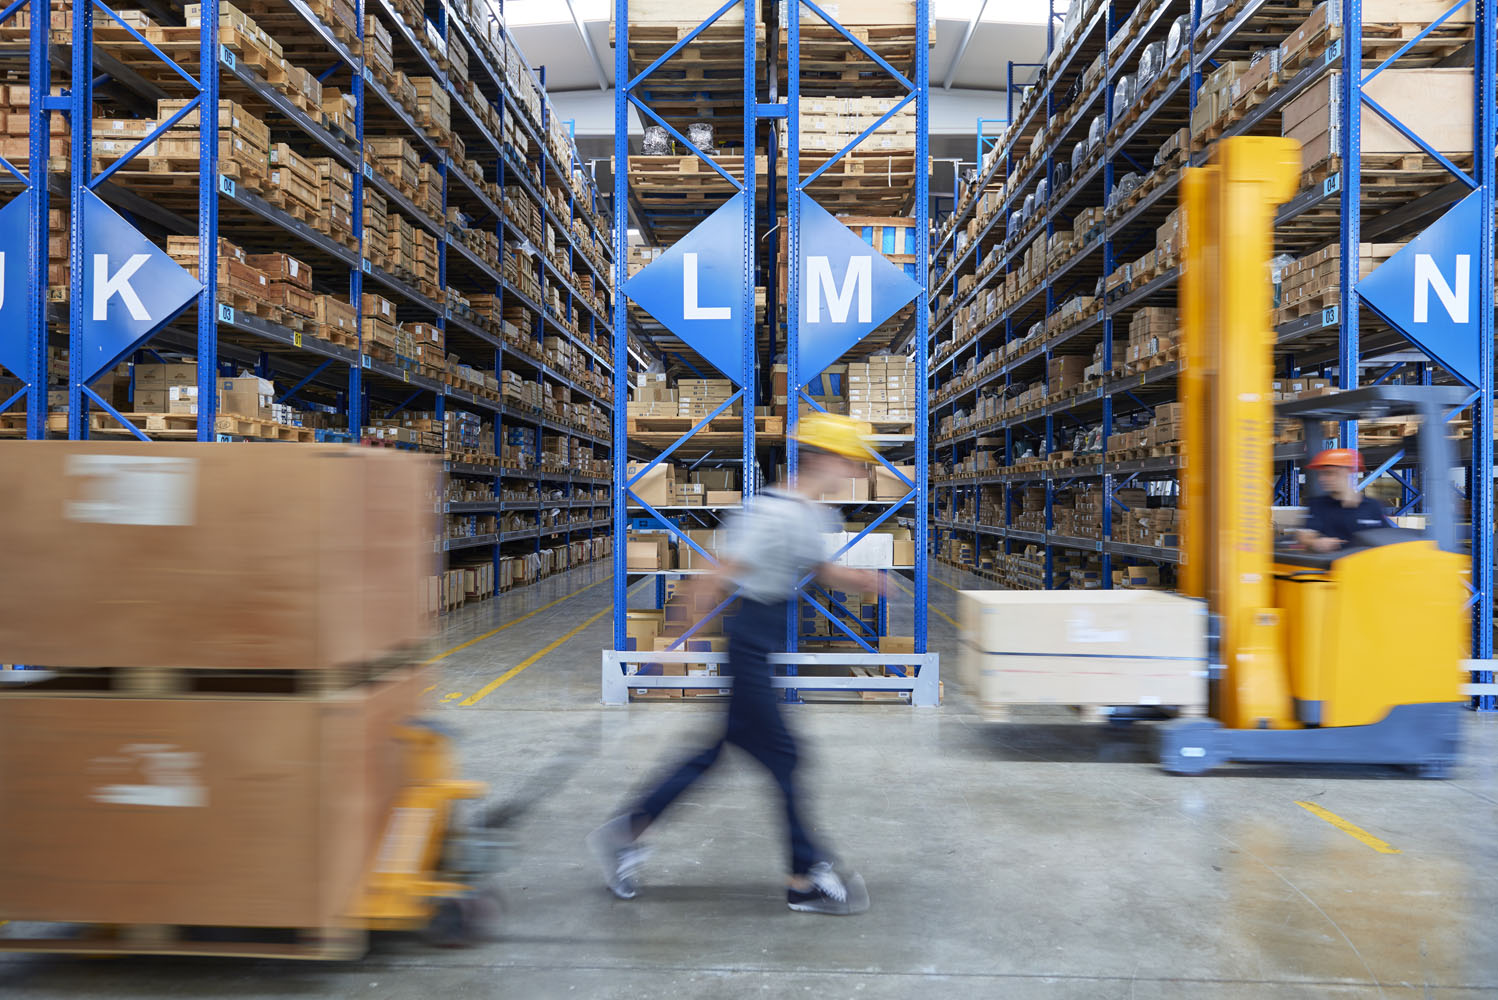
1045, 858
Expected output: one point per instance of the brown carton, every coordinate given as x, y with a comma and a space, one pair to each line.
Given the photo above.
239, 810
258, 556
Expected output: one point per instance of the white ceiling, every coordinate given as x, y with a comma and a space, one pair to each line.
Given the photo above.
1010, 30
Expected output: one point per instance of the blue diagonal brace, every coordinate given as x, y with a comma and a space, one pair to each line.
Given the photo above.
303, 383
113, 413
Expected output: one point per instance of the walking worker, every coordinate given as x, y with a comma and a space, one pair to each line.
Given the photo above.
1338, 510
782, 536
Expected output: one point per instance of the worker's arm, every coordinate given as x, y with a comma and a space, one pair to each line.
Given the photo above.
1315, 541
848, 578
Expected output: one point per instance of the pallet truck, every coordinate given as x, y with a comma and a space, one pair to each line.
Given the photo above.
1348, 657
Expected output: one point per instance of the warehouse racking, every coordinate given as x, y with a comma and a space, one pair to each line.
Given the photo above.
726, 70
442, 273
1128, 95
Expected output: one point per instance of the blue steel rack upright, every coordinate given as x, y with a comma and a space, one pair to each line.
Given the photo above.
26, 355
631, 90
1217, 35
357, 384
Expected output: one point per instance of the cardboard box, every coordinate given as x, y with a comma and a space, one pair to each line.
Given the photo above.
648, 552
887, 485
1439, 99
723, 498
872, 551
848, 491
656, 487
182, 399
150, 401
216, 810
1089, 647
246, 396
259, 556
164, 376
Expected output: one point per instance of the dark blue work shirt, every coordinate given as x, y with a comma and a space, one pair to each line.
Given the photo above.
1325, 515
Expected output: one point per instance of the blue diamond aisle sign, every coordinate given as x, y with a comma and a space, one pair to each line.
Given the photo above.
131, 288
1428, 290
847, 290
696, 289
15, 253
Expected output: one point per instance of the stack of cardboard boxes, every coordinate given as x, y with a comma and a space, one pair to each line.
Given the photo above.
881, 389
1153, 331
697, 398
1314, 280
238, 801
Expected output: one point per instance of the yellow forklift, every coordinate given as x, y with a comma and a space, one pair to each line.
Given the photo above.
1352, 656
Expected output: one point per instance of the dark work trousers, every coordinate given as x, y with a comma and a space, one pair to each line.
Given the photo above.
754, 724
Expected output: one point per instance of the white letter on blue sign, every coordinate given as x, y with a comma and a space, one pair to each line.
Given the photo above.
839, 300
689, 307
1428, 277
107, 286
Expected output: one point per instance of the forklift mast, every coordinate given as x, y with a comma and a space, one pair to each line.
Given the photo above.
1226, 388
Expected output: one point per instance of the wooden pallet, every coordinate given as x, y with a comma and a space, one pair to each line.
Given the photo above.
718, 425
317, 943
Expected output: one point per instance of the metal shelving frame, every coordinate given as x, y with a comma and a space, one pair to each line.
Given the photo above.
632, 89
361, 386
1342, 188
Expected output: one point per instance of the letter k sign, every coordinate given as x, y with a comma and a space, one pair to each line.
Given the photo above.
131, 288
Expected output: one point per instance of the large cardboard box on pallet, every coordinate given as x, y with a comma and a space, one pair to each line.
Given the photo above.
1088, 647
256, 556
244, 810
1435, 102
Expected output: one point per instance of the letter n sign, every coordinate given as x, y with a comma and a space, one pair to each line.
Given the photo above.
131, 288
1428, 290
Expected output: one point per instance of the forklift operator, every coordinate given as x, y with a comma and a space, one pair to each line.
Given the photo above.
1338, 510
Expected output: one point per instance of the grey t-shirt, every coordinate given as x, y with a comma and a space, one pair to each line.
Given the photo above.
777, 539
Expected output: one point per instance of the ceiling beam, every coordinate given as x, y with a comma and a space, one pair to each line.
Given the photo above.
582, 31
967, 36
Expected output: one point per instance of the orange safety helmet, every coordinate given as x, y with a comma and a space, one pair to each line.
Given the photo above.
1336, 458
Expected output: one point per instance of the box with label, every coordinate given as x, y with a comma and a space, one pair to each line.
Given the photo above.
245, 396
182, 399
163, 376
232, 810
317, 553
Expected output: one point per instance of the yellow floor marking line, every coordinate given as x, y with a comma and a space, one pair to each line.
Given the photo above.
929, 605
510, 674
1352, 830
495, 631
451, 696
429, 689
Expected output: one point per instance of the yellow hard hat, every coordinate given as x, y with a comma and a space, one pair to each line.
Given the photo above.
835, 433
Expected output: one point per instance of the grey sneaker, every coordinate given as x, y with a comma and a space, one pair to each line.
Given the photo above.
830, 893
620, 856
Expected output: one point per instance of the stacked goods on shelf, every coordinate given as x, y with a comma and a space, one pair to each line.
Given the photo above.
830, 123
1313, 281
882, 389
257, 677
